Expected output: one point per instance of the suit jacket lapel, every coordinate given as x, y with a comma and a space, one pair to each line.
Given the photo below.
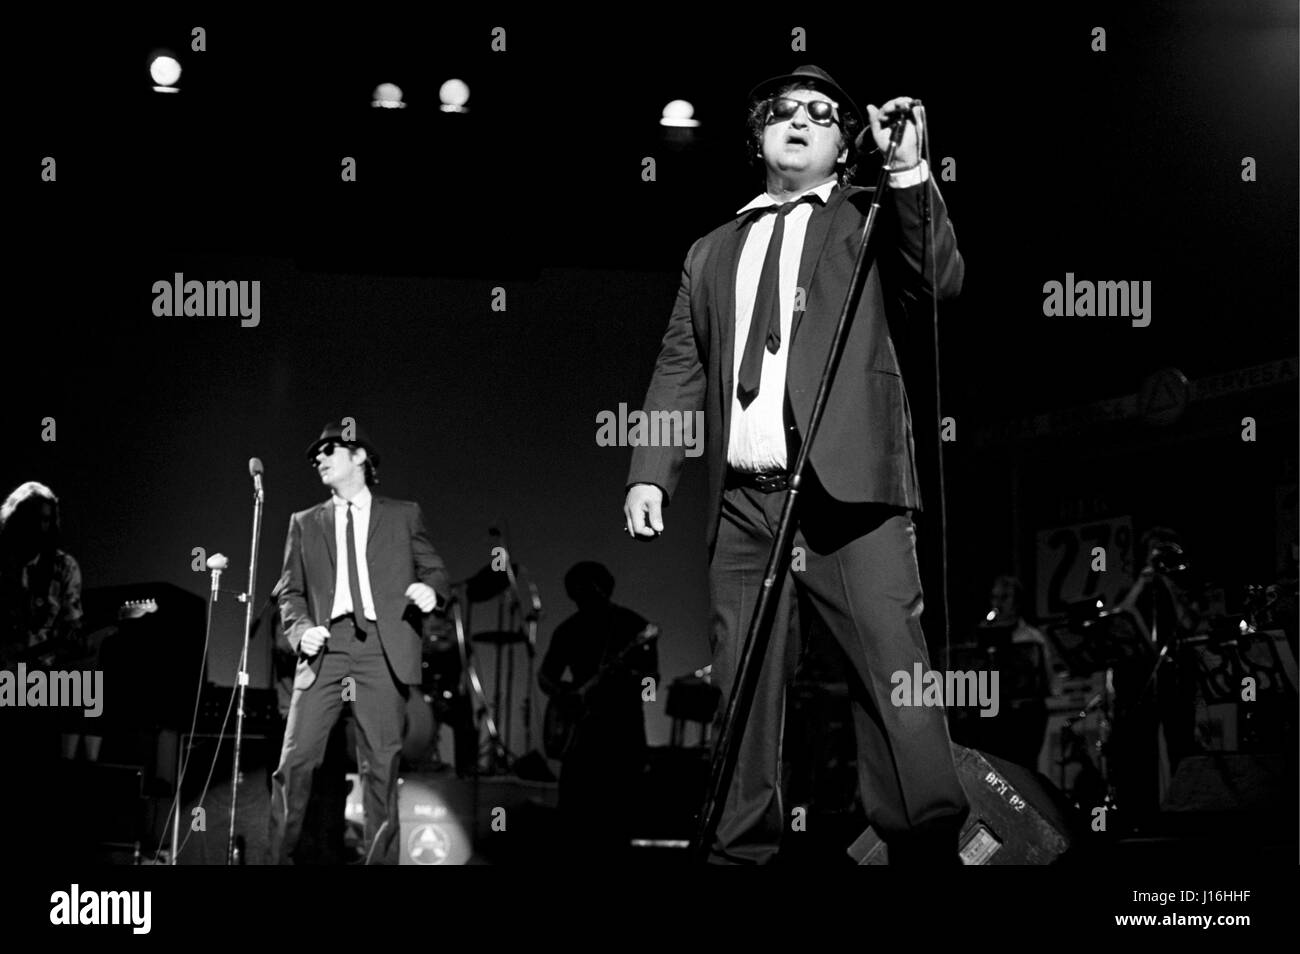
728, 263
376, 514
819, 228
325, 520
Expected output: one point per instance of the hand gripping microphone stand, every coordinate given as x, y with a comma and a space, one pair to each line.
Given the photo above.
255, 471
760, 628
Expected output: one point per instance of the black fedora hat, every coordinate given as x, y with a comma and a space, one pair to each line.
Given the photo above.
815, 77
333, 431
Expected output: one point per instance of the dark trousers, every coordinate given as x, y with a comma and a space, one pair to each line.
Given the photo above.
379, 707
857, 564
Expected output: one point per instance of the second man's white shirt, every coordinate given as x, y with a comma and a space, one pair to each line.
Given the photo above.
360, 529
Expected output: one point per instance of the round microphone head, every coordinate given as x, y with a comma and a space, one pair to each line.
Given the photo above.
218, 561
254, 466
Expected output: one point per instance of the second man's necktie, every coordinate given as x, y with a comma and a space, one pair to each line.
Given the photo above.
354, 575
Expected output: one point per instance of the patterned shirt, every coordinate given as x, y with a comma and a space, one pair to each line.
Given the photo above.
44, 602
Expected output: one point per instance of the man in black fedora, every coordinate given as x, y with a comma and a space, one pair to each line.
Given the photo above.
358, 571
746, 344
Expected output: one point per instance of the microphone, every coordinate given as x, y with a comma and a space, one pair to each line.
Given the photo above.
255, 471
216, 563
890, 116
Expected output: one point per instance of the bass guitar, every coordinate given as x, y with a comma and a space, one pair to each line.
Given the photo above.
565, 711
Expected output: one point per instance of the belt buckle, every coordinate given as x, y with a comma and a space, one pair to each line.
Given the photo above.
770, 483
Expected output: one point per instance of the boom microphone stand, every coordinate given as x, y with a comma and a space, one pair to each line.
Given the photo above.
255, 471
760, 628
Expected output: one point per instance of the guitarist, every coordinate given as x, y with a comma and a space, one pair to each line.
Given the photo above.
605, 760
40, 584
40, 602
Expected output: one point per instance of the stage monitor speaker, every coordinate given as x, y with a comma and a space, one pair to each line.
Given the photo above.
1016, 816
1231, 782
437, 819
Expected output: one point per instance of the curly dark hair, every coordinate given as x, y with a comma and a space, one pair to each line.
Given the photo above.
849, 126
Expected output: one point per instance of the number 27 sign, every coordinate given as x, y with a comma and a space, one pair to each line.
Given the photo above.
1084, 561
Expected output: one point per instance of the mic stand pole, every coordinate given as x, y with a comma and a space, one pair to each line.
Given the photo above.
760, 629
243, 669
533, 616
530, 620
216, 563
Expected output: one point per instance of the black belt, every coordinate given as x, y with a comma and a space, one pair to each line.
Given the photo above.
765, 481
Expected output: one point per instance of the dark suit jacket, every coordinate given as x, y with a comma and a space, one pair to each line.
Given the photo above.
865, 449
398, 553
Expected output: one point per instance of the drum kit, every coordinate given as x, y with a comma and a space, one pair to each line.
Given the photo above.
1126, 678
452, 691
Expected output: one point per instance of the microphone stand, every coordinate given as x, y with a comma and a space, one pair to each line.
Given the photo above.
216, 563
760, 629
243, 660
530, 620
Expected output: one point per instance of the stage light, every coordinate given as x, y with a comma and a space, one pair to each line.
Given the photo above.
454, 95
679, 113
166, 71
388, 96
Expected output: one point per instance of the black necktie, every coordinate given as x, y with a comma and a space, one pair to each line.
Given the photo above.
765, 321
354, 577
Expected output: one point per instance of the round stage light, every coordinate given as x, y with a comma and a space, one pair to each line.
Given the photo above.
388, 96
679, 113
454, 95
165, 71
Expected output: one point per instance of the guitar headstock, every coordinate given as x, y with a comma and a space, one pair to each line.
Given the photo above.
135, 609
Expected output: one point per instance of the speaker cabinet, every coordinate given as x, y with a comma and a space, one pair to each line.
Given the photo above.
1016, 816
437, 820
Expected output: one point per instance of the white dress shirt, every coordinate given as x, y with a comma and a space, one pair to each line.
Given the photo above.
360, 529
757, 438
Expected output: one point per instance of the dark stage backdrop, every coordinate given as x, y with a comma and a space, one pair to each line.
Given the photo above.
376, 297
488, 419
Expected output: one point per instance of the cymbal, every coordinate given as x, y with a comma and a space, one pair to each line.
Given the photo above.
500, 637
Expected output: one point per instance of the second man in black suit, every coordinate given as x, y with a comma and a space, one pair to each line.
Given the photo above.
357, 568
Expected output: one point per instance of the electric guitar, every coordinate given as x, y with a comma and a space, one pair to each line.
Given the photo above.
565, 711
60, 652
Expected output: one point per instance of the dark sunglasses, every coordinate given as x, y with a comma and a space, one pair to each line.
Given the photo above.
327, 449
820, 111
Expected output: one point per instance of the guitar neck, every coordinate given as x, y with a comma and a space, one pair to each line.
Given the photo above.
643, 638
